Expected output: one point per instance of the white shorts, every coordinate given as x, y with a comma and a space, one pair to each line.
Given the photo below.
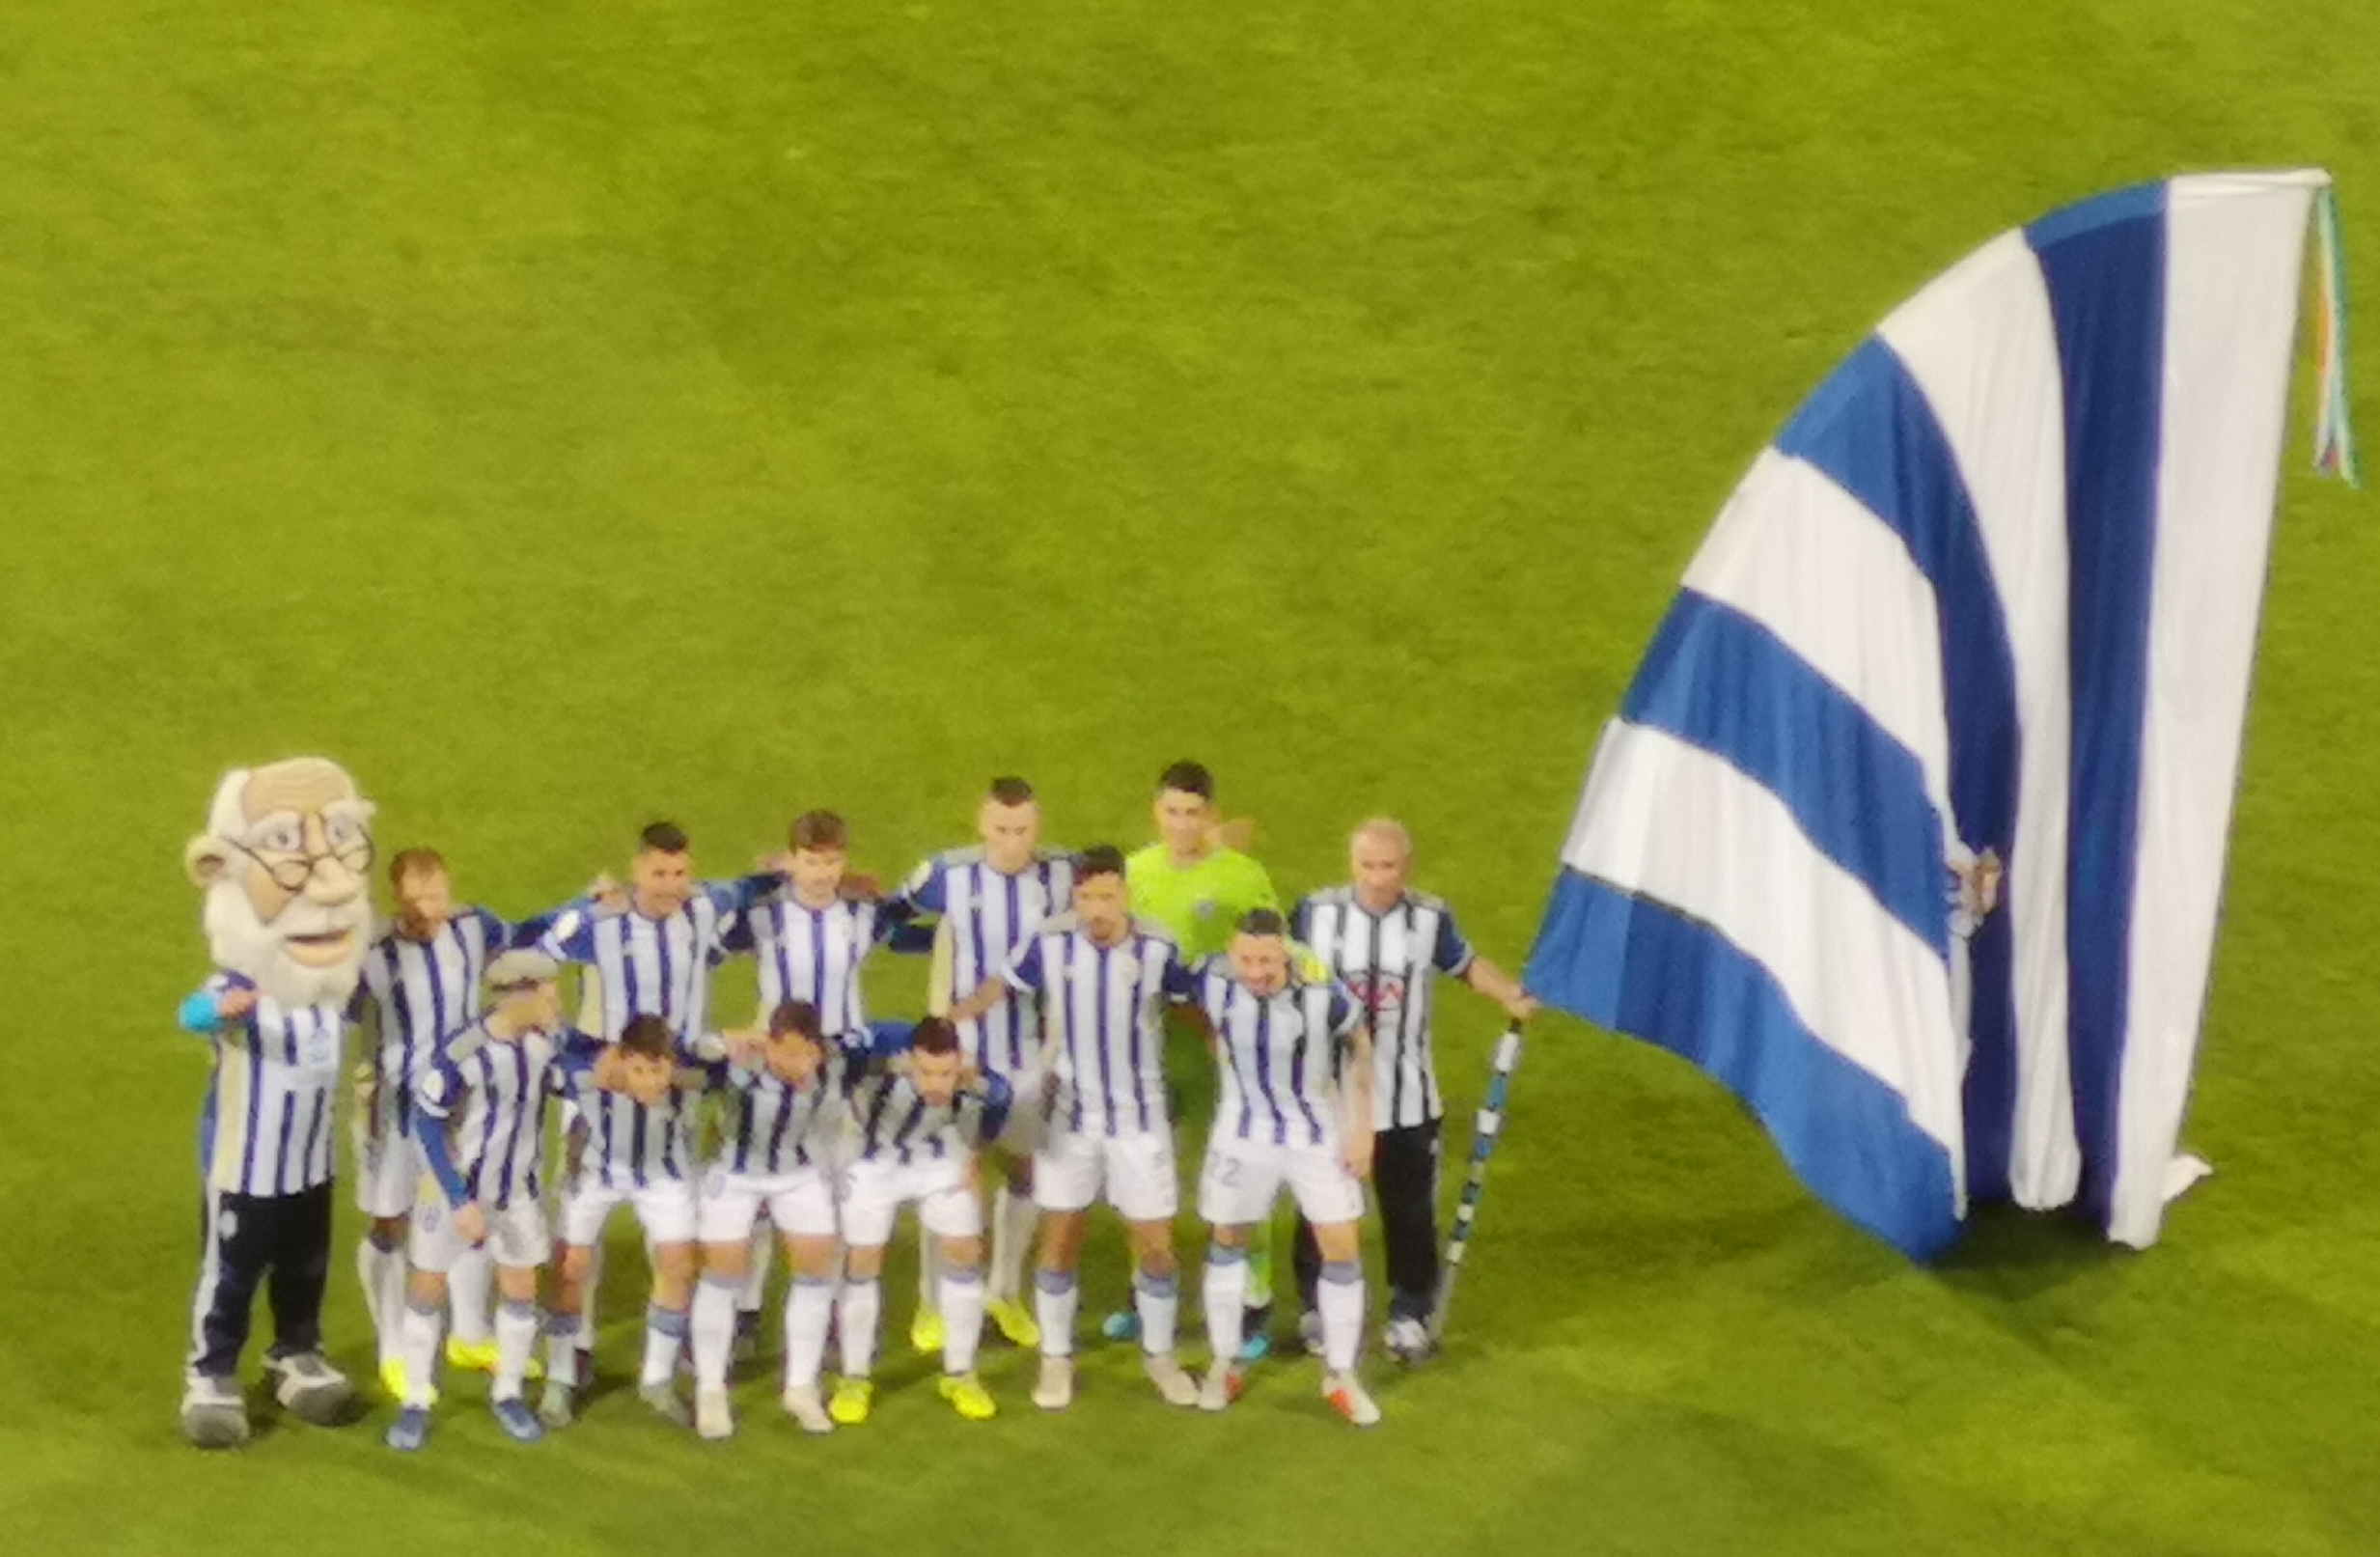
1135, 1170
873, 1192
801, 1203
516, 1236
389, 1170
664, 1207
1240, 1178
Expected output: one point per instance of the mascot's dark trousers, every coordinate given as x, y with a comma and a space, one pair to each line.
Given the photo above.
281, 1240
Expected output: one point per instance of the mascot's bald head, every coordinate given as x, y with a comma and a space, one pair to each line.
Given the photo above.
282, 862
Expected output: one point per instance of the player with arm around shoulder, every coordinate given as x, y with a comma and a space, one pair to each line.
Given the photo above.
1280, 1119
479, 1117
790, 1089
635, 1097
1105, 979
920, 1115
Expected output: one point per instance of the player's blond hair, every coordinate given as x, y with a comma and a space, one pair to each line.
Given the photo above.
1388, 829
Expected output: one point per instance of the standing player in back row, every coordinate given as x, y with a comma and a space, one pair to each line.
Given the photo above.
1385, 941
648, 950
1104, 979
990, 899
421, 981
1196, 885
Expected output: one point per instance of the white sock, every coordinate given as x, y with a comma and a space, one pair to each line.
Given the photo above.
712, 1323
1224, 1290
587, 1298
1054, 1300
516, 1336
756, 1279
963, 1317
928, 1269
470, 1287
665, 1330
421, 1353
561, 1349
1013, 1218
809, 1303
1339, 1296
382, 1272
855, 1315
1158, 1301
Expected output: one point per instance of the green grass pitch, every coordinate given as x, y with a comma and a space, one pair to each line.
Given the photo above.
566, 415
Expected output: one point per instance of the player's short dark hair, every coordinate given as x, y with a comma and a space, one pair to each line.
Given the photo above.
1263, 922
818, 829
662, 838
1011, 791
1099, 859
413, 862
648, 1036
934, 1034
1190, 778
798, 1016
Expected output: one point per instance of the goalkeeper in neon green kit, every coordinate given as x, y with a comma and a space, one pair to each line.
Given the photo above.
1197, 885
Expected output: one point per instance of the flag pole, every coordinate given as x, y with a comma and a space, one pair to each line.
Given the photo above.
1485, 1129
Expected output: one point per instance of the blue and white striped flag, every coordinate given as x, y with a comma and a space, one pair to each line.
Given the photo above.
1990, 596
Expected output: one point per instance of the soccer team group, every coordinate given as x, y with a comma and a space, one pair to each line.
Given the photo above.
1038, 1084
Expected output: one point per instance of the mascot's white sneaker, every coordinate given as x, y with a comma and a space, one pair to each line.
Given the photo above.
213, 1414
310, 1388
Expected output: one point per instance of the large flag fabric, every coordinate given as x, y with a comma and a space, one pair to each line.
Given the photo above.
1991, 596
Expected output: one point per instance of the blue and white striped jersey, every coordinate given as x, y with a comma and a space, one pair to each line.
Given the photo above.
413, 991
1103, 1006
988, 914
1387, 961
813, 954
267, 1123
480, 1116
628, 1143
893, 1122
643, 966
1279, 1055
778, 1128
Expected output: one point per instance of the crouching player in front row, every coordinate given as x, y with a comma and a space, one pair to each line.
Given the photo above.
792, 1096
922, 1113
1277, 1121
633, 1097
480, 1115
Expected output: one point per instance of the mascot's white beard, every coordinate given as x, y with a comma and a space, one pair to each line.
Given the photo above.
241, 943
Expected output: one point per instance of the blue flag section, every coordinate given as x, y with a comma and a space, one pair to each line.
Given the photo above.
1910, 828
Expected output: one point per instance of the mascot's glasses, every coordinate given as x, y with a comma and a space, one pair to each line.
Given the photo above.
292, 871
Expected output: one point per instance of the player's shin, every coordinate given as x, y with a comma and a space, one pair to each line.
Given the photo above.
1157, 1296
1012, 1220
1224, 1290
809, 1304
380, 1266
856, 1309
1054, 1300
421, 1327
963, 1315
1339, 1296
665, 1332
562, 1348
516, 1338
713, 1327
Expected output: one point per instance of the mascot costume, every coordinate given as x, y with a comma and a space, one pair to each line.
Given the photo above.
283, 863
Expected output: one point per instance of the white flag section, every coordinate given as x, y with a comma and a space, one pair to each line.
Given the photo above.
1991, 594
